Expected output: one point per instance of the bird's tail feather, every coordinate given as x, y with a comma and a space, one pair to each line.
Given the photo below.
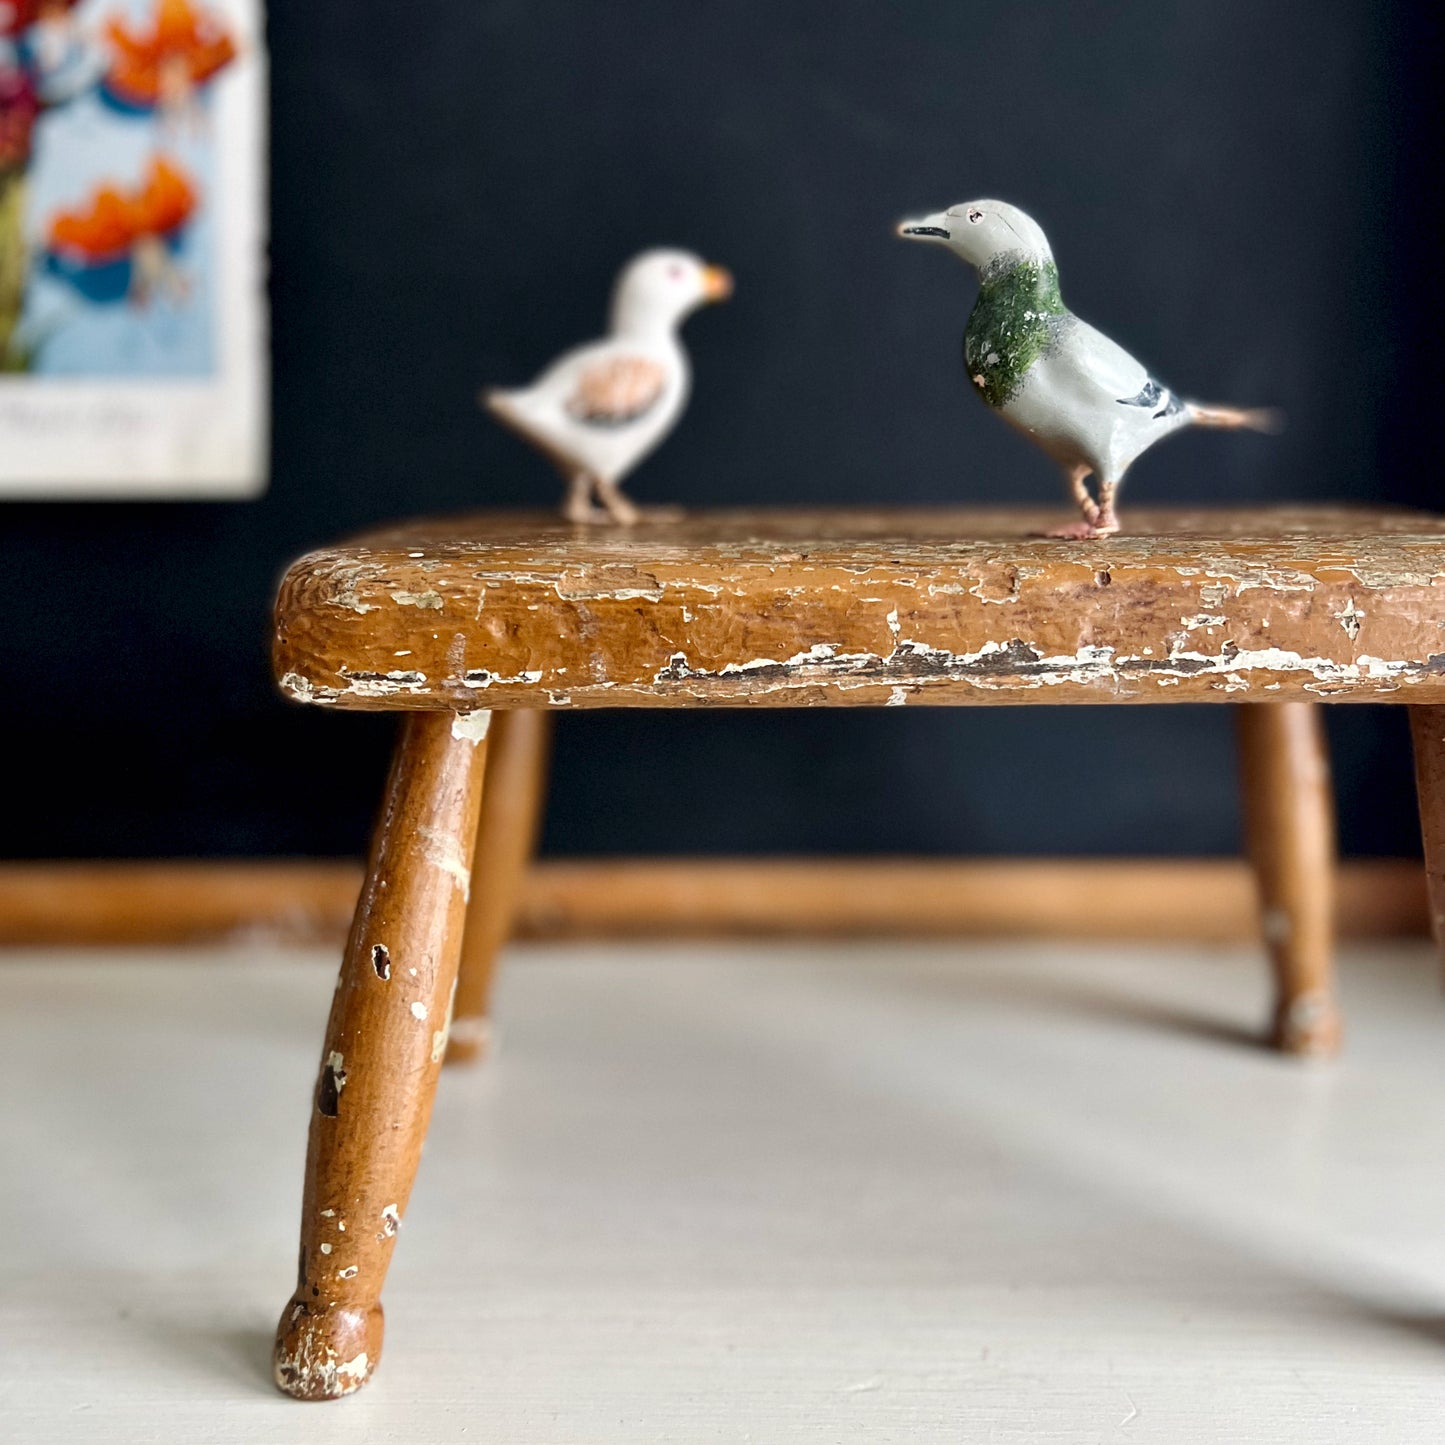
496, 401
1258, 418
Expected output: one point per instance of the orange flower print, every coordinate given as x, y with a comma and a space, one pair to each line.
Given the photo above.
162, 68
119, 243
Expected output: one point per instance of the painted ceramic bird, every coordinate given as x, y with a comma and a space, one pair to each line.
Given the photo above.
598, 410
1080, 396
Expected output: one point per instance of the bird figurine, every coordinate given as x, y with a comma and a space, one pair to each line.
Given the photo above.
1088, 403
599, 409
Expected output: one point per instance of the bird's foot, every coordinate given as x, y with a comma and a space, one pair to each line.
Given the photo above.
583, 513
625, 512
1084, 531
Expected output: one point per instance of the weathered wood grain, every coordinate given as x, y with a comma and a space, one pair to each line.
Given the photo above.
519, 748
794, 608
266, 905
384, 1045
1289, 815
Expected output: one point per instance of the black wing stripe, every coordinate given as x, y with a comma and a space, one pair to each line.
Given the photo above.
1149, 395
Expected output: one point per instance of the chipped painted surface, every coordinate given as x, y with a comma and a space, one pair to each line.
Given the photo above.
430, 600
440, 1036
312, 1370
1350, 618
793, 608
375, 1084
332, 1082
471, 727
444, 851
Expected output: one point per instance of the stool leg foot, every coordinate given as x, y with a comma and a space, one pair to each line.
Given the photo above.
519, 746
384, 1044
1289, 822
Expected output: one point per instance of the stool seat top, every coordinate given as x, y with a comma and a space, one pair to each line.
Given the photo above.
869, 606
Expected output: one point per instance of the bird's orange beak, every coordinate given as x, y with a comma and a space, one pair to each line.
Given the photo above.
717, 283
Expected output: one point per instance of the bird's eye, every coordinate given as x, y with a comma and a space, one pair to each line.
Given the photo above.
975, 216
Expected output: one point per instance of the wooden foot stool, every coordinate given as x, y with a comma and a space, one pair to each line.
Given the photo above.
478, 627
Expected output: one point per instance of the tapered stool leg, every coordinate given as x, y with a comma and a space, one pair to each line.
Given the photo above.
1427, 730
384, 1044
519, 748
1290, 827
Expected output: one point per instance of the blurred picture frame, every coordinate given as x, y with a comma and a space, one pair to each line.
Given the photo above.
134, 333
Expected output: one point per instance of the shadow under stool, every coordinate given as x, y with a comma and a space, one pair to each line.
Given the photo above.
478, 628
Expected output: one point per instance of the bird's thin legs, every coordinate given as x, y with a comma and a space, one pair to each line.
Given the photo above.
1078, 479
1106, 520
577, 504
626, 512
610, 505
1098, 518
617, 507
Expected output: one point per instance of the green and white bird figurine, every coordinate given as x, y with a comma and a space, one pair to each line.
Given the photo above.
599, 409
1088, 403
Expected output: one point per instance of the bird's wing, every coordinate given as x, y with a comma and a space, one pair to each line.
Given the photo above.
1099, 366
615, 390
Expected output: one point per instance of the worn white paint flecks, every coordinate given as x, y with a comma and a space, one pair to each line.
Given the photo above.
444, 851
1350, 618
390, 1222
480, 678
429, 600
1095, 665
440, 1037
301, 688
364, 684
314, 1367
471, 727
419, 1011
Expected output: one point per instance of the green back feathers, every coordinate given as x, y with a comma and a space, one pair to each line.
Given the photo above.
1013, 322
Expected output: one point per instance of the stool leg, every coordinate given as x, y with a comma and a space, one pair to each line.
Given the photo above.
1427, 730
519, 747
1289, 824
383, 1051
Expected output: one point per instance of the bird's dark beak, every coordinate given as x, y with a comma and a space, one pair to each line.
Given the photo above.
926, 228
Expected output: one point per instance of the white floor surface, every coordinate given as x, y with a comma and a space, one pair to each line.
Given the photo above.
749, 1192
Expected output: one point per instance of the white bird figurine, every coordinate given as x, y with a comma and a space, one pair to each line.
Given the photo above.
599, 409
1080, 396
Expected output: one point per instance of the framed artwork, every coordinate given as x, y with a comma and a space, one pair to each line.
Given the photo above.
133, 324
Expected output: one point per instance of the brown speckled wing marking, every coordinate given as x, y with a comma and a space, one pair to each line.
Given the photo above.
615, 392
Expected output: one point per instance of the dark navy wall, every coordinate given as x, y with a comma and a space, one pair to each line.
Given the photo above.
1237, 191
